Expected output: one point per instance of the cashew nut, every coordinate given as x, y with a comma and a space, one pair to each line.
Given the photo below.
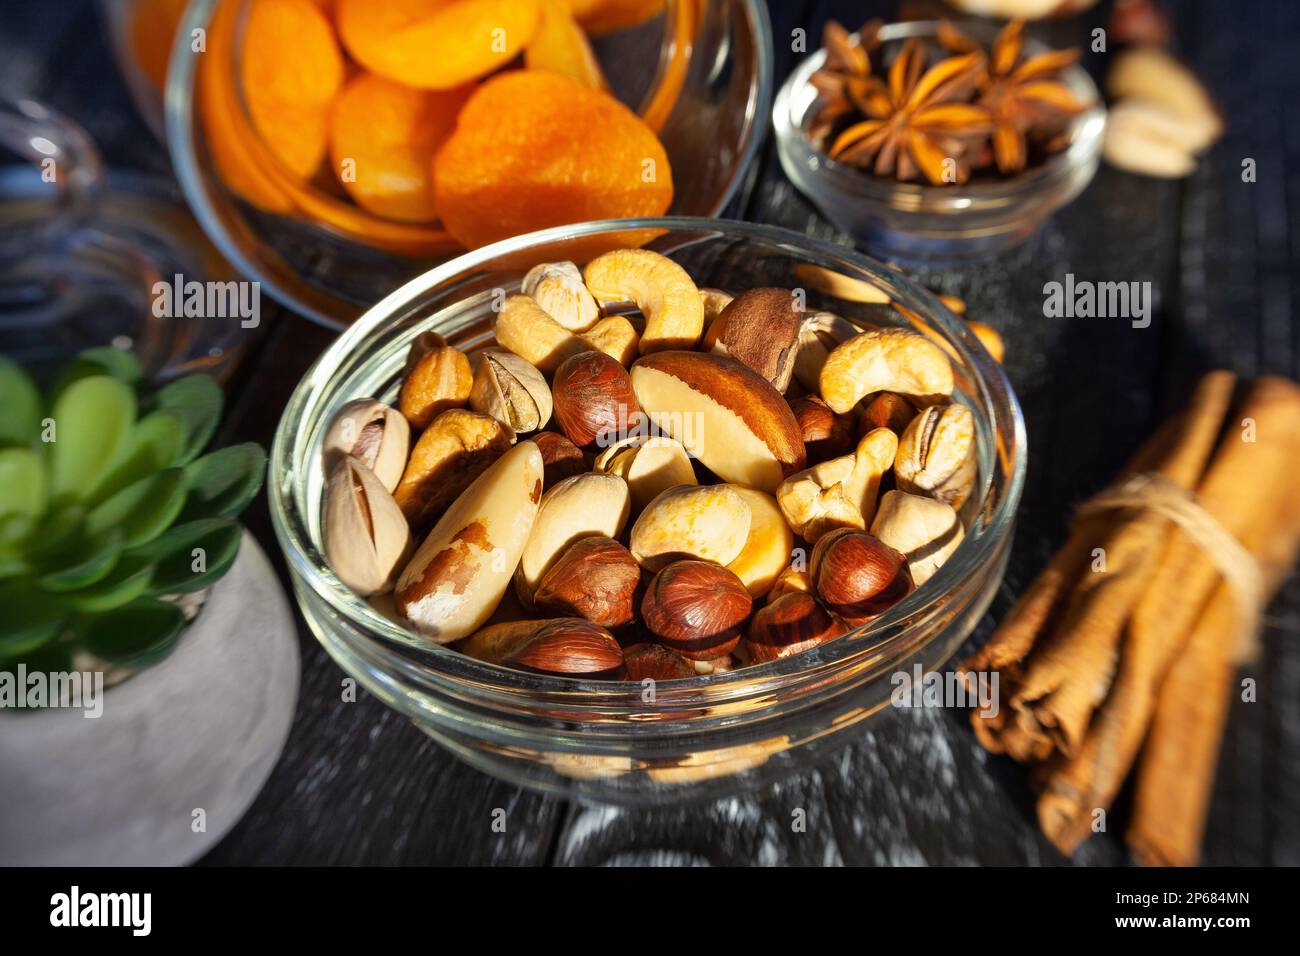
616, 337
660, 288
841, 492
818, 335
714, 301
885, 360
923, 530
525, 328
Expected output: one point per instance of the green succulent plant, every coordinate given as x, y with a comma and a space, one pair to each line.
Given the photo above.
107, 507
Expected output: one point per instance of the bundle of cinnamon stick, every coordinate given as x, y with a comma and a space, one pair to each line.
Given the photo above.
1122, 652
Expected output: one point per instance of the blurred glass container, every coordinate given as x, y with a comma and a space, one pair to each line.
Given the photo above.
327, 267
706, 736
910, 222
82, 250
141, 34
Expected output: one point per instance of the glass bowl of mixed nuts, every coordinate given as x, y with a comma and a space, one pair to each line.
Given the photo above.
334, 151
932, 141
639, 507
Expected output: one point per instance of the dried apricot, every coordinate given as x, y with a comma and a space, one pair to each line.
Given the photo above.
228, 137
561, 47
382, 139
248, 169
534, 149
436, 44
153, 26
290, 70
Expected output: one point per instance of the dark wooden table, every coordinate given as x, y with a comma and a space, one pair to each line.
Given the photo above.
358, 784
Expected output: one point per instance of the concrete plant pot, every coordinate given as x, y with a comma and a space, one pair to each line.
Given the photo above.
200, 731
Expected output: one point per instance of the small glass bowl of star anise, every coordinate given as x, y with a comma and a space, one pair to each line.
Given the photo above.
939, 141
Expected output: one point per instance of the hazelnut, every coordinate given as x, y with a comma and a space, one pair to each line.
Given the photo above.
858, 575
825, 434
654, 662
696, 608
595, 579
593, 399
886, 410
561, 458
792, 623
563, 645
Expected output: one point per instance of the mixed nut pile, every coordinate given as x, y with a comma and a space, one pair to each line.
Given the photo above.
623, 495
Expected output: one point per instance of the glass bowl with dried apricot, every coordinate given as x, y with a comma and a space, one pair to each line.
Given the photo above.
334, 149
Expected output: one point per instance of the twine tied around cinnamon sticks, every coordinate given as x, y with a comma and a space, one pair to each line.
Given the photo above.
1129, 670
1240, 570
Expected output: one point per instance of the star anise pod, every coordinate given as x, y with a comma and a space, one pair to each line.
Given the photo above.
1024, 96
915, 120
849, 54
847, 67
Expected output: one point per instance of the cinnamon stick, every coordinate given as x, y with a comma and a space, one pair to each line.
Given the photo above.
1244, 489
1176, 774
1069, 670
1043, 600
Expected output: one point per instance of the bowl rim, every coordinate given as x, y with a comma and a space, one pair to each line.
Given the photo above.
1085, 147
275, 275
883, 636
